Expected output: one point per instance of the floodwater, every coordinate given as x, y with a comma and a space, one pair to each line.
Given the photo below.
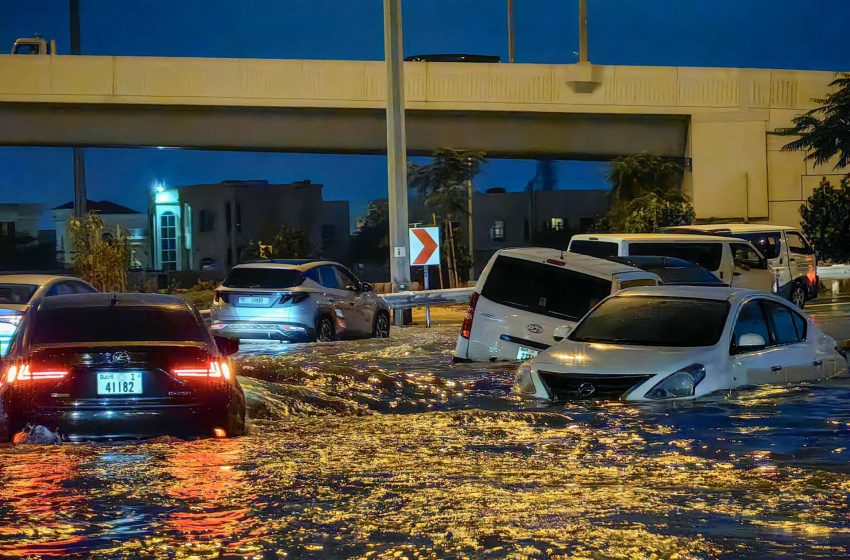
385, 449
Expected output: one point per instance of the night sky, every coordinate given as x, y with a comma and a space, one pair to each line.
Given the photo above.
741, 33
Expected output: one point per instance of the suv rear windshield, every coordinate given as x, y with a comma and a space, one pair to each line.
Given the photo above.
707, 255
16, 294
601, 249
654, 321
106, 324
544, 289
270, 278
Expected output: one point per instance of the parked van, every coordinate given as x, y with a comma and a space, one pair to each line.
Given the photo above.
525, 297
736, 262
789, 254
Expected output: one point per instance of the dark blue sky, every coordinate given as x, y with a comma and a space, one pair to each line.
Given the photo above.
742, 33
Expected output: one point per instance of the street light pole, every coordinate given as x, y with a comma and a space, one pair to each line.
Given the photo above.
511, 51
396, 150
582, 31
79, 153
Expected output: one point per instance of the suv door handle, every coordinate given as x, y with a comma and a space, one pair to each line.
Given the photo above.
776, 368
817, 363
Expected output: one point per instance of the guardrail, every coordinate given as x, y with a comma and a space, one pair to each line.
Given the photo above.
408, 300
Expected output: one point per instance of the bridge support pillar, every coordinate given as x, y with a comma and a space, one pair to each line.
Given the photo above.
396, 150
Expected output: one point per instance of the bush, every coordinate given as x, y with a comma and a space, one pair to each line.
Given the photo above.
826, 219
102, 260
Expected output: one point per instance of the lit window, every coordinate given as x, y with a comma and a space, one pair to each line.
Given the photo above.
497, 231
168, 240
556, 224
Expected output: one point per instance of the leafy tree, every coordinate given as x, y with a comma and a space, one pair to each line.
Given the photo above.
372, 240
653, 210
635, 175
824, 132
286, 243
443, 185
826, 219
101, 258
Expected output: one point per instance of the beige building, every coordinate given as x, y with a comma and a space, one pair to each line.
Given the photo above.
115, 216
208, 226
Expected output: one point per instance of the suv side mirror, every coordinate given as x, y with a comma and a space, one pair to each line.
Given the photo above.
226, 345
562, 332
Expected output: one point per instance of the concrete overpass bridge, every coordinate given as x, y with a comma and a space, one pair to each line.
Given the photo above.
717, 117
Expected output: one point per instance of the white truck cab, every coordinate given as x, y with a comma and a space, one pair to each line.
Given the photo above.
527, 299
789, 254
34, 45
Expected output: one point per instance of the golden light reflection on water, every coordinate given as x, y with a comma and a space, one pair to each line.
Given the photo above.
463, 469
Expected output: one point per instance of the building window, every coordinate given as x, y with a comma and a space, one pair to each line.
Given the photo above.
228, 219
497, 231
207, 220
556, 224
7, 230
328, 235
168, 240
238, 218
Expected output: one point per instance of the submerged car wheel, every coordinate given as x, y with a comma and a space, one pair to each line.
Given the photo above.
382, 326
325, 330
798, 295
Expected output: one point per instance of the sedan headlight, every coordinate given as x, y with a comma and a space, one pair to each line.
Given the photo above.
523, 381
682, 383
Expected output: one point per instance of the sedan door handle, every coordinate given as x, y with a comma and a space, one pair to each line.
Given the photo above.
776, 368
817, 363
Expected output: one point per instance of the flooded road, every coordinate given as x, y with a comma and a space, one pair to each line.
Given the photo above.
385, 449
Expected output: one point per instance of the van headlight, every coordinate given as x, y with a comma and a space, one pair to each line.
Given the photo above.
682, 383
523, 381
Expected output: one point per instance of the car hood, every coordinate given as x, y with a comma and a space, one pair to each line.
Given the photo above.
584, 357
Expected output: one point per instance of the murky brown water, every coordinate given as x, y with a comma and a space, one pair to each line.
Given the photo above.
390, 451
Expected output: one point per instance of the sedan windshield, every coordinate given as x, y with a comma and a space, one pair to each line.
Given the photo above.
654, 321
269, 278
16, 294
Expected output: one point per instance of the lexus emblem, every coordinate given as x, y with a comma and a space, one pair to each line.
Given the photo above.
120, 358
535, 328
586, 389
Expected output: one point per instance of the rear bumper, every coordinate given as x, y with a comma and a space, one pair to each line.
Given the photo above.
265, 330
124, 423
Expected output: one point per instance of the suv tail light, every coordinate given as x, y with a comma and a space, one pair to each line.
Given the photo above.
296, 297
466, 327
217, 369
22, 372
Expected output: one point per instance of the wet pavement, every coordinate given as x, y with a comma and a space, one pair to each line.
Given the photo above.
385, 449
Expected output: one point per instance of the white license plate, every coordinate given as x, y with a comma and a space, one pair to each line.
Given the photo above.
254, 300
119, 383
524, 353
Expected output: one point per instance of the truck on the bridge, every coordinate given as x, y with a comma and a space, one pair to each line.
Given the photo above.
34, 45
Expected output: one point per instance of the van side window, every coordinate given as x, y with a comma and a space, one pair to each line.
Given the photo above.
797, 244
707, 255
746, 255
544, 289
600, 249
769, 243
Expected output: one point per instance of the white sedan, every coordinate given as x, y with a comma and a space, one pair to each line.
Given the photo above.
668, 342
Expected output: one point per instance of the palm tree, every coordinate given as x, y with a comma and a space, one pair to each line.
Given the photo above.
824, 132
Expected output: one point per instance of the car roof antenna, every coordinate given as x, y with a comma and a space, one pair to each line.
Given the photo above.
113, 301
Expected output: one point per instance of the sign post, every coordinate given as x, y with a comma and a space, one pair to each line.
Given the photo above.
425, 251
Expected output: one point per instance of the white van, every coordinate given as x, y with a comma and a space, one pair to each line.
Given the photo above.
736, 262
524, 295
789, 254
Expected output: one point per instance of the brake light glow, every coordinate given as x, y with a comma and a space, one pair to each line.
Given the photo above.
22, 372
466, 327
216, 370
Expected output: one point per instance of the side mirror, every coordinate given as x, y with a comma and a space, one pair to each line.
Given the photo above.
562, 332
741, 264
750, 341
366, 287
226, 345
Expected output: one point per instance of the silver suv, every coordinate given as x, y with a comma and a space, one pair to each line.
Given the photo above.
297, 301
